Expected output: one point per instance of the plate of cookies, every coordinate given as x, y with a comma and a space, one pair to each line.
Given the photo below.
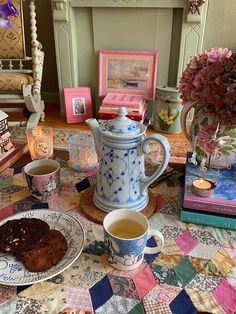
36, 245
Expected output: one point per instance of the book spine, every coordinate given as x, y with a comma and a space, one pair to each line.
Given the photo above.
115, 109
223, 208
122, 104
122, 100
111, 115
218, 221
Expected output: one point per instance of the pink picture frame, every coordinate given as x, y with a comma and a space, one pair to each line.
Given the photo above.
127, 71
78, 104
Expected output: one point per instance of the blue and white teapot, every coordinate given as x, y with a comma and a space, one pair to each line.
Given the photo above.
121, 144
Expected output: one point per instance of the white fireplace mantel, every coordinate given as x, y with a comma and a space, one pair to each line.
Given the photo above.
82, 27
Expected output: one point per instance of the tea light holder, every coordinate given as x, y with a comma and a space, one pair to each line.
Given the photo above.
203, 187
40, 142
83, 156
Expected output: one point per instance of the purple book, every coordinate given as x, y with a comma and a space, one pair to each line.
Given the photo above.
223, 197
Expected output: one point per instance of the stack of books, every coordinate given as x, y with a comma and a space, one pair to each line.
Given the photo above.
217, 210
135, 105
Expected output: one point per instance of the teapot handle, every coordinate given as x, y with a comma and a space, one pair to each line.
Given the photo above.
183, 117
144, 149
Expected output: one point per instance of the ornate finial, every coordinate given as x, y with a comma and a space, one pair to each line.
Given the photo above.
122, 111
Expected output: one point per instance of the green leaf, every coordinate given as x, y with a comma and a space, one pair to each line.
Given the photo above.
168, 110
176, 115
225, 152
201, 152
230, 132
196, 129
162, 124
204, 121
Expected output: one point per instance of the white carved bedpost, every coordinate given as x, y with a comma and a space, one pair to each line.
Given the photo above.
193, 28
63, 43
37, 55
32, 94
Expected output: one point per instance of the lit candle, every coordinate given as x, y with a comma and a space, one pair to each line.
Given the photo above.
40, 142
203, 187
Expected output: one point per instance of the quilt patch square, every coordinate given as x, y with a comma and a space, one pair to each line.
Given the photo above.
144, 281
24, 305
124, 287
202, 236
78, 298
101, 292
116, 305
204, 301
170, 247
222, 261
182, 304
166, 276
204, 251
185, 271
154, 308
185, 241
170, 232
156, 222
204, 282
162, 294
168, 260
225, 294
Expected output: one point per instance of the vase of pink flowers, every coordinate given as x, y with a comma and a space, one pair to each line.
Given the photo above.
208, 84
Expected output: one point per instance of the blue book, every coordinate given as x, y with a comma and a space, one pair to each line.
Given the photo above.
208, 218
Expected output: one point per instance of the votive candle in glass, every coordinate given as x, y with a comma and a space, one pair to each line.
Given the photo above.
83, 156
40, 142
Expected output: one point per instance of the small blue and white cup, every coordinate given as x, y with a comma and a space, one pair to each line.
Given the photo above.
127, 254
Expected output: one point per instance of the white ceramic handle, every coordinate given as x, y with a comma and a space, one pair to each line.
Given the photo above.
156, 249
145, 148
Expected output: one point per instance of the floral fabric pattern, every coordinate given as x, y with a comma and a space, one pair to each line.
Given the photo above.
11, 83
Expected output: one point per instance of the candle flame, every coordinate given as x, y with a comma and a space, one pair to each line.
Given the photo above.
201, 181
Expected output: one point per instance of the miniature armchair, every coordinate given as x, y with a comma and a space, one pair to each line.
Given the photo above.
20, 75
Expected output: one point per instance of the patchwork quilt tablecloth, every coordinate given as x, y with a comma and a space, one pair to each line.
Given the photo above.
195, 272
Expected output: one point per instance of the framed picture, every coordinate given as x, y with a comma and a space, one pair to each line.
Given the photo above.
78, 104
127, 71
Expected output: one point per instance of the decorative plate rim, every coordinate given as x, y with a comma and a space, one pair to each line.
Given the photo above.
49, 276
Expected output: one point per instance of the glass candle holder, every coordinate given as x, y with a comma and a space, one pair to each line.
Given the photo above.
40, 142
83, 156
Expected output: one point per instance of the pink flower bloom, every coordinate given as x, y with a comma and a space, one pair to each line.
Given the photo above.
210, 76
205, 139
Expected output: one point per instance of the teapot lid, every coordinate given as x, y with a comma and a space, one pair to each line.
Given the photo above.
122, 125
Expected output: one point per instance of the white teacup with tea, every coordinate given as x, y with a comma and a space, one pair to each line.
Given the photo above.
126, 233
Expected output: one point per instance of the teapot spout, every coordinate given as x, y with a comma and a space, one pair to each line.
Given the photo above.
94, 127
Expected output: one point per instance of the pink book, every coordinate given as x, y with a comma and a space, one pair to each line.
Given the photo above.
223, 197
122, 100
105, 114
